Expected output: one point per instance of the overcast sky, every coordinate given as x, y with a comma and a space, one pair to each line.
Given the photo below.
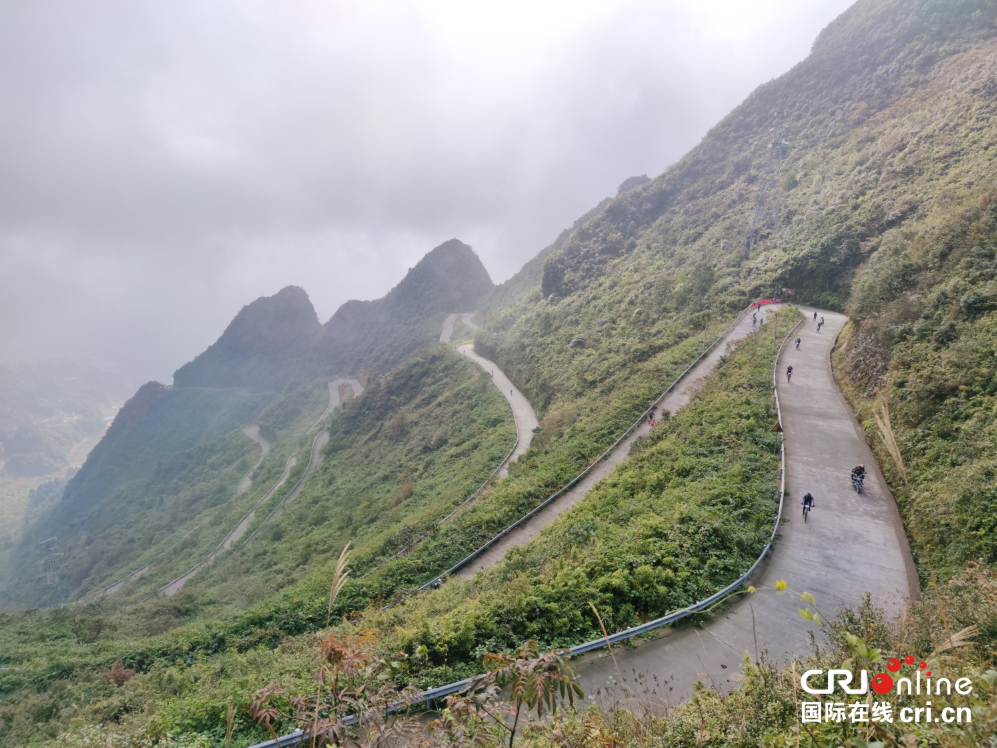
163, 164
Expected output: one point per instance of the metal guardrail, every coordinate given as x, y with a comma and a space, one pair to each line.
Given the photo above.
466, 501
578, 478
450, 688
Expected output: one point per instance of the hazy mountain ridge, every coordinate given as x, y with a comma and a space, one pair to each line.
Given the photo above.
163, 438
378, 335
277, 341
255, 348
887, 212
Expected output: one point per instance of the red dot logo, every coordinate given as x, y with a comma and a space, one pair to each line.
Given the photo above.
928, 673
893, 665
909, 659
882, 683
924, 665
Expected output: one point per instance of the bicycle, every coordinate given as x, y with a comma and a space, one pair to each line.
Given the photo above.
858, 484
789, 374
806, 512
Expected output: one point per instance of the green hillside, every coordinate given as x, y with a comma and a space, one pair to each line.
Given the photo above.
376, 335
168, 455
174, 455
887, 209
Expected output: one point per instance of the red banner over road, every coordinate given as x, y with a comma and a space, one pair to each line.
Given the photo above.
766, 301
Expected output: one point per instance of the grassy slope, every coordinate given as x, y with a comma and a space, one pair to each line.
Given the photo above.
418, 443
168, 454
684, 516
889, 131
922, 345
691, 511
437, 390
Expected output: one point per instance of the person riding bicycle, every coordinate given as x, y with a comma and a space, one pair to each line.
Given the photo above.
797, 344
789, 373
859, 471
809, 501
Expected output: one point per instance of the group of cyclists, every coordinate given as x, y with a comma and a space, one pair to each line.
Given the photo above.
858, 472
858, 480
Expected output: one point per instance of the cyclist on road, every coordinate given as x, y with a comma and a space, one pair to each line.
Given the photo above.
797, 344
808, 501
754, 320
815, 316
859, 470
789, 373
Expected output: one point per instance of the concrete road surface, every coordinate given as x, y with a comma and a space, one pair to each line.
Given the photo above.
672, 401
522, 411
447, 332
850, 545
253, 432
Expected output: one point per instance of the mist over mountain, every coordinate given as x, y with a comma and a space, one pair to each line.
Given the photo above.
864, 178
260, 346
170, 452
277, 341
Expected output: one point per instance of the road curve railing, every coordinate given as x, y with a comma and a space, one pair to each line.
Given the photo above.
581, 476
439, 692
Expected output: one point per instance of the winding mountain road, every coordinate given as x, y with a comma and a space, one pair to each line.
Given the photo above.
852, 545
671, 401
522, 411
320, 440
253, 432
447, 332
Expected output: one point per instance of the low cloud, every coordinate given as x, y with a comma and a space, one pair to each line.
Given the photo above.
163, 165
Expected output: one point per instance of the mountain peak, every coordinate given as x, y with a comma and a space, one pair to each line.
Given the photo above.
253, 349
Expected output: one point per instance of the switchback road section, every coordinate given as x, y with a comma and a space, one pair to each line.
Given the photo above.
851, 545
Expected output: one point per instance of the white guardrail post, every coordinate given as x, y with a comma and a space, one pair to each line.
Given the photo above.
450, 688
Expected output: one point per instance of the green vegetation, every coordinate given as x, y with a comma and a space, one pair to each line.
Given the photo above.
688, 513
276, 342
887, 212
168, 456
921, 348
703, 520
417, 444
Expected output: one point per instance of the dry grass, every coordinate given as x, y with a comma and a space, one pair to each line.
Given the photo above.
886, 432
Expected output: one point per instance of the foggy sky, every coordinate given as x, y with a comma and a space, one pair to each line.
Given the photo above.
163, 164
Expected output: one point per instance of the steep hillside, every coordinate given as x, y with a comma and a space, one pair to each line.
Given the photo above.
919, 362
529, 276
277, 341
377, 335
261, 348
163, 445
888, 125
174, 453
886, 186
